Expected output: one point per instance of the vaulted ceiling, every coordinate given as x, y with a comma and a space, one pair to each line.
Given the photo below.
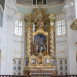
49, 2
53, 6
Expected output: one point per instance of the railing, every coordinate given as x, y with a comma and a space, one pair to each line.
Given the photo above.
65, 76
36, 76
12, 76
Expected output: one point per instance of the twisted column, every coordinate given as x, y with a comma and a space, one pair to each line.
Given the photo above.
28, 41
52, 41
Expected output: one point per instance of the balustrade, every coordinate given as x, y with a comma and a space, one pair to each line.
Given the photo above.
37, 76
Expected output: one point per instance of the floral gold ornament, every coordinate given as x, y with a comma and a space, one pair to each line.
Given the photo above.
40, 40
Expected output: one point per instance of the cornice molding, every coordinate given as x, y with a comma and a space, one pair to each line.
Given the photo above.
37, 6
60, 14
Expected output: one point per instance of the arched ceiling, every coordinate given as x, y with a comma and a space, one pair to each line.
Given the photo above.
49, 2
53, 6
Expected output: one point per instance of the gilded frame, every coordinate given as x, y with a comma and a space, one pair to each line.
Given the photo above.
41, 31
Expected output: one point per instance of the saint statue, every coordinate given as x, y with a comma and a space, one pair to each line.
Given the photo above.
35, 47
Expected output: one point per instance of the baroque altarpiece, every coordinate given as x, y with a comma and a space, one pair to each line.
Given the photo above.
40, 43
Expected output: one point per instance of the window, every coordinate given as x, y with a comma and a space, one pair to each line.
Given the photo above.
65, 67
14, 62
44, 1
34, 2
62, 66
39, 2
17, 66
60, 62
1, 16
61, 29
18, 27
19, 62
66, 62
14, 67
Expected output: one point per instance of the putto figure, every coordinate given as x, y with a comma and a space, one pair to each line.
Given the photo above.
40, 23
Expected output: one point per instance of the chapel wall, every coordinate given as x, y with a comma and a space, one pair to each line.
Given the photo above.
61, 43
19, 43
7, 38
69, 9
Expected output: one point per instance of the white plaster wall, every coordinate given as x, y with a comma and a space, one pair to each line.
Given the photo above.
61, 42
19, 53
1, 32
7, 38
2, 43
19, 42
71, 36
13, 46
76, 7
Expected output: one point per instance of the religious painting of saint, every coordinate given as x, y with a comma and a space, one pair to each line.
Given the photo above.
40, 43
